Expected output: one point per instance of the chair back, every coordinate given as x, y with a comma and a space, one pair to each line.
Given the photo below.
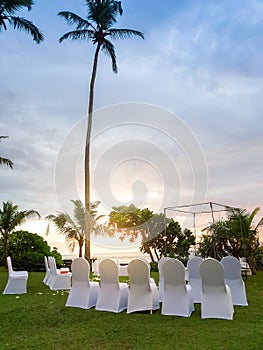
160, 264
46, 263
173, 273
232, 268
9, 264
52, 265
139, 272
212, 274
80, 269
193, 267
108, 272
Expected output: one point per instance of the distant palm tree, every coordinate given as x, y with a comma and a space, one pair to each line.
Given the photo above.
10, 218
74, 228
241, 222
8, 9
97, 28
5, 161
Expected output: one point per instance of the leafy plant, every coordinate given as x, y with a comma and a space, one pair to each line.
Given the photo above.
27, 251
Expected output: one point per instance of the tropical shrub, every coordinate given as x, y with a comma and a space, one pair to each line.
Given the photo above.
27, 251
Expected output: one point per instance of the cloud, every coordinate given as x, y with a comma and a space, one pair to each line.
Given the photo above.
201, 61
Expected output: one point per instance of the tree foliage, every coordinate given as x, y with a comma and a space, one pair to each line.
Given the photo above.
173, 241
10, 218
8, 10
73, 228
159, 236
27, 250
132, 222
232, 236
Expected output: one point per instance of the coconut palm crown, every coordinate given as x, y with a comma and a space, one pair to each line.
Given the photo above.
10, 218
73, 227
97, 29
8, 9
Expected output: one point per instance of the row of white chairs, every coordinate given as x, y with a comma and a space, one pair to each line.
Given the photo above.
218, 286
56, 279
232, 277
110, 294
206, 285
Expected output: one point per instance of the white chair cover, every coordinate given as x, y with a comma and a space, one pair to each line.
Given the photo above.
233, 279
177, 298
216, 298
194, 278
17, 280
113, 296
83, 293
47, 275
143, 293
160, 264
57, 280
95, 267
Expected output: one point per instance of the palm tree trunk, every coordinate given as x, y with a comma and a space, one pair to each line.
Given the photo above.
156, 254
80, 250
87, 154
251, 260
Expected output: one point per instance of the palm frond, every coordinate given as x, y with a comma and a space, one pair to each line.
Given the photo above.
104, 13
83, 34
252, 215
11, 6
7, 162
93, 207
31, 214
109, 49
79, 214
73, 19
118, 7
71, 245
124, 33
27, 26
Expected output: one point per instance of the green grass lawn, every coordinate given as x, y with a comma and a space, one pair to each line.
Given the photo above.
40, 320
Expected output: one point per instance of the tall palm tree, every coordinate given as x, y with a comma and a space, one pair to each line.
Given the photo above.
74, 228
10, 218
97, 28
8, 9
5, 161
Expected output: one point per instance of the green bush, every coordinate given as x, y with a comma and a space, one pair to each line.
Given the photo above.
27, 251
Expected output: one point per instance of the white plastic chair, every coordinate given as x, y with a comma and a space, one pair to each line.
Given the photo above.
83, 293
216, 298
194, 278
57, 280
160, 264
177, 297
17, 280
234, 280
47, 270
113, 296
143, 293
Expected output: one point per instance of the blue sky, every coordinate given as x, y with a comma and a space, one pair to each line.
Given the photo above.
195, 133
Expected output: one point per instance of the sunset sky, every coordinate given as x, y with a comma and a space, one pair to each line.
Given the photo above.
180, 123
